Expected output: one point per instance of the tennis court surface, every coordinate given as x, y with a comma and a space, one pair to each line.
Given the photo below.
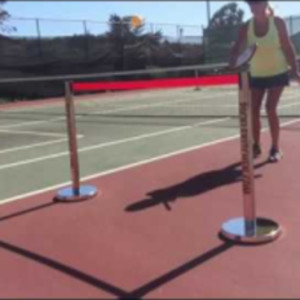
167, 166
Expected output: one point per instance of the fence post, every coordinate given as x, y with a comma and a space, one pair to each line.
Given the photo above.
204, 45
86, 33
151, 28
123, 48
291, 26
38, 30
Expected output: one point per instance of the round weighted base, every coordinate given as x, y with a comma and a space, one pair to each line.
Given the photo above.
69, 194
261, 231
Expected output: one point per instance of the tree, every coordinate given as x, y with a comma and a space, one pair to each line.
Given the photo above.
4, 16
222, 31
130, 47
228, 15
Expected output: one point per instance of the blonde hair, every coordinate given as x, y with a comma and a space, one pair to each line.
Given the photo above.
270, 10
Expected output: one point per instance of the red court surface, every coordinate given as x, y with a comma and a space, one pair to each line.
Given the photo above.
126, 243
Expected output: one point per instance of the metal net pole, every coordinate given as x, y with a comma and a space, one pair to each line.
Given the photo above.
245, 115
76, 192
71, 127
249, 228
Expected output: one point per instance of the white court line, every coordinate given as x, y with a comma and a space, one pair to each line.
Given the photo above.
116, 98
133, 165
31, 123
111, 99
288, 105
136, 107
107, 111
32, 146
105, 99
42, 133
108, 144
35, 106
218, 105
111, 110
115, 170
146, 106
143, 96
288, 123
42, 144
79, 136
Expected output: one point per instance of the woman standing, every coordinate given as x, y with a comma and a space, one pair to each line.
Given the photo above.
269, 68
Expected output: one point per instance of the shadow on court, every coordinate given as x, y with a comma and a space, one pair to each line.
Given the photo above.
37, 208
108, 287
27, 211
197, 185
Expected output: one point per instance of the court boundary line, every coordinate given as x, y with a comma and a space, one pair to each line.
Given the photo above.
2, 128
31, 123
99, 112
37, 105
136, 107
13, 149
118, 169
53, 102
112, 143
134, 165
37, 133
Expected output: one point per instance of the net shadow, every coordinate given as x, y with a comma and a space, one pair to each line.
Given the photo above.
113, 289
26, 211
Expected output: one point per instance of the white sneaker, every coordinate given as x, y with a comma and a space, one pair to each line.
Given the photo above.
275, 155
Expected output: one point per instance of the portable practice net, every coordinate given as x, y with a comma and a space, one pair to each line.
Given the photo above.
161, 92
175, 96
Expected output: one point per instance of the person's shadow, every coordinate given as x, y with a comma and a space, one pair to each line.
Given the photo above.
193, 186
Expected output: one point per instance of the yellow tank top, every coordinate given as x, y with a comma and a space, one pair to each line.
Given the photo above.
269, 59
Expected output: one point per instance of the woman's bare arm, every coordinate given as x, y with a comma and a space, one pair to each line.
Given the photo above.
239, 45
287, 46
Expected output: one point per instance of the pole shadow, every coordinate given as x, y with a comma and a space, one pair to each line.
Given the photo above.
27, 211
196, 185
68, 270
116, 291
37, 208
179, 271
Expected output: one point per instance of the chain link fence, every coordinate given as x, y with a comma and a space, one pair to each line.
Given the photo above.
46, 47
85, 40
53, 46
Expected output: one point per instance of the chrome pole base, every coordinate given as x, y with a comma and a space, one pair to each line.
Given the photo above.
69, 194
260, 231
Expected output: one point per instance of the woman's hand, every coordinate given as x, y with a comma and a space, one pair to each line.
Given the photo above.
296, 75
232, 63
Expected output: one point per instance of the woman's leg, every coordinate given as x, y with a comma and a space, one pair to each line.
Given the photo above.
257, 96
271, 108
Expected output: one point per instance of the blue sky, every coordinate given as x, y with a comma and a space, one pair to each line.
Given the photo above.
174, 12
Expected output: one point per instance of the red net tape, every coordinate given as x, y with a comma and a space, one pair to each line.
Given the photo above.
155, 83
